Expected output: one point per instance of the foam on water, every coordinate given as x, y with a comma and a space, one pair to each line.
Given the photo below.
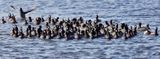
128, 11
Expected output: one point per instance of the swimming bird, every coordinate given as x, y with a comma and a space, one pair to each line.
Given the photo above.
28, 31
49, 19
48, 33
12, 19
30, 19
43, 35
47, 25
33, 32
106, 23
114, 34
135, 30
156, 31
108, 35
91, 34
125, 36
111, 23
102, 31
148, 32
97, 19
37, 21
26, 23
66, 35
144, 28
81, 20
77, 35
21, 34
3, 20
14, 31
39, 31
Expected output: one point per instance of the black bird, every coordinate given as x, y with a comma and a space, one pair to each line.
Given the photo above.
23, 13
39, 31
30, 19
3, 21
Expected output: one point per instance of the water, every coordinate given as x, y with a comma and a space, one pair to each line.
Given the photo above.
128, 11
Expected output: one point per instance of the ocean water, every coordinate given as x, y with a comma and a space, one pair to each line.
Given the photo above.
127, 11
